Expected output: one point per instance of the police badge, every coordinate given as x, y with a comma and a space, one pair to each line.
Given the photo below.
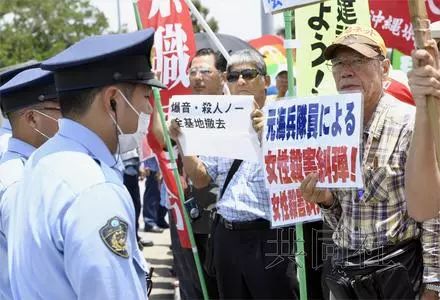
114, 235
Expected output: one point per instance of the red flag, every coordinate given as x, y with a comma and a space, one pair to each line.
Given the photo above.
174, 46
174, 43
170, 183
391, 19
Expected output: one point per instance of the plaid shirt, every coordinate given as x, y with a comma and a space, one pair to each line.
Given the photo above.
246, 197
377, 215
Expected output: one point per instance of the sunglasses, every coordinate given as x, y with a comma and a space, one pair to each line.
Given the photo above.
246, 74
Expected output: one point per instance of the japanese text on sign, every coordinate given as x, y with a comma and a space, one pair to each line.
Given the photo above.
317, 134
324, 21
311, 120
288, 207
397, 26
210, 125
207, 109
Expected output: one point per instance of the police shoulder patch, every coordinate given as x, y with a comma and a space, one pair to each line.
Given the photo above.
114, 236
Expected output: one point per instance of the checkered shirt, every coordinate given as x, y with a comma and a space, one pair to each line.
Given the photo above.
246, 197
377, 215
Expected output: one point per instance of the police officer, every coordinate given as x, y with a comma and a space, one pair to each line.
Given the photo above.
6, 74
73, 234
30, 102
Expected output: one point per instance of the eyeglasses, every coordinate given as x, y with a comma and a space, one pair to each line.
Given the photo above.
203, 71
355, 64
246, 74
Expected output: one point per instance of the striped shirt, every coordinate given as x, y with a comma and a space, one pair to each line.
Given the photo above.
377, 215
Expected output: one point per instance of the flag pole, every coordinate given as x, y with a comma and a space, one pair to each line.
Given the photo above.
422, 33
176, 174
300, 257
208, 30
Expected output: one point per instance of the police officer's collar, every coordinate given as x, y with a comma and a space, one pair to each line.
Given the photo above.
95, 146
20, 147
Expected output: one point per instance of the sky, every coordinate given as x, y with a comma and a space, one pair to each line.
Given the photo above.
236, 17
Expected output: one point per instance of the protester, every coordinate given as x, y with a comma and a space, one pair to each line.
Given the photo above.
206, 78
242, 227
30, 102
422, 188
281, 84
73, 234
373, 233
153, 213
422, 181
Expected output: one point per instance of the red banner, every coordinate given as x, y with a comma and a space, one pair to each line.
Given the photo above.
173, 194
174, 43
391, 19
174, 46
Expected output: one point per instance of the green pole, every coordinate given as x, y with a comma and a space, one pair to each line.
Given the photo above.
176, 174
181, 194
300, 257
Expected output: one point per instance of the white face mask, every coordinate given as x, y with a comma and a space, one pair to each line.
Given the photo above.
131, 141
47, 116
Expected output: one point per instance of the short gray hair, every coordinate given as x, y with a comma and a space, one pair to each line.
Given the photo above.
248, 56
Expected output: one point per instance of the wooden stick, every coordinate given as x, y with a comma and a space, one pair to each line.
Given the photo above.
422, 33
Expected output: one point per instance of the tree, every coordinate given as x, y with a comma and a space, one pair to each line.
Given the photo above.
38, 29
204, 12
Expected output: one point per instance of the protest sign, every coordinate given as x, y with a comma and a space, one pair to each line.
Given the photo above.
174, 43
315, 134
173, 47
216, 126
394, 25
320, 24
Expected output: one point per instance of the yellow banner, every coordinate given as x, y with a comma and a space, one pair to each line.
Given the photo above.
316, 27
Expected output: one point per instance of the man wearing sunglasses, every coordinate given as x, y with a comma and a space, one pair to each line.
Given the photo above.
30, 102
378, 248
241, 228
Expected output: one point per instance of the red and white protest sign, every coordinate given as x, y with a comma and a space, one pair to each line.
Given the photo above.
310, 135
174, 43
174, 46
391, 19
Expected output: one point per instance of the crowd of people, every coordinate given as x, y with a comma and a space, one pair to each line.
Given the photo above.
70, 200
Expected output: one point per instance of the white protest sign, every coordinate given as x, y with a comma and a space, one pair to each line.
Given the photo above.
216, 126
319, 134
273, 6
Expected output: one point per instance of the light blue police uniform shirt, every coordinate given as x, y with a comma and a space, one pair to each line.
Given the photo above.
5, 135
71, 192
246, 197
11, 172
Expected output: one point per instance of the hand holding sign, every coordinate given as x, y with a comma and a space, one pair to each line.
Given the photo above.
258, 122
174, 130
315, 195
210, 125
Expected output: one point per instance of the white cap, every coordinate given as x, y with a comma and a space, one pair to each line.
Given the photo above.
435, 30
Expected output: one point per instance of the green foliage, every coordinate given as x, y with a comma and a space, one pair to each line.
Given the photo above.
204, 12
38, 29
